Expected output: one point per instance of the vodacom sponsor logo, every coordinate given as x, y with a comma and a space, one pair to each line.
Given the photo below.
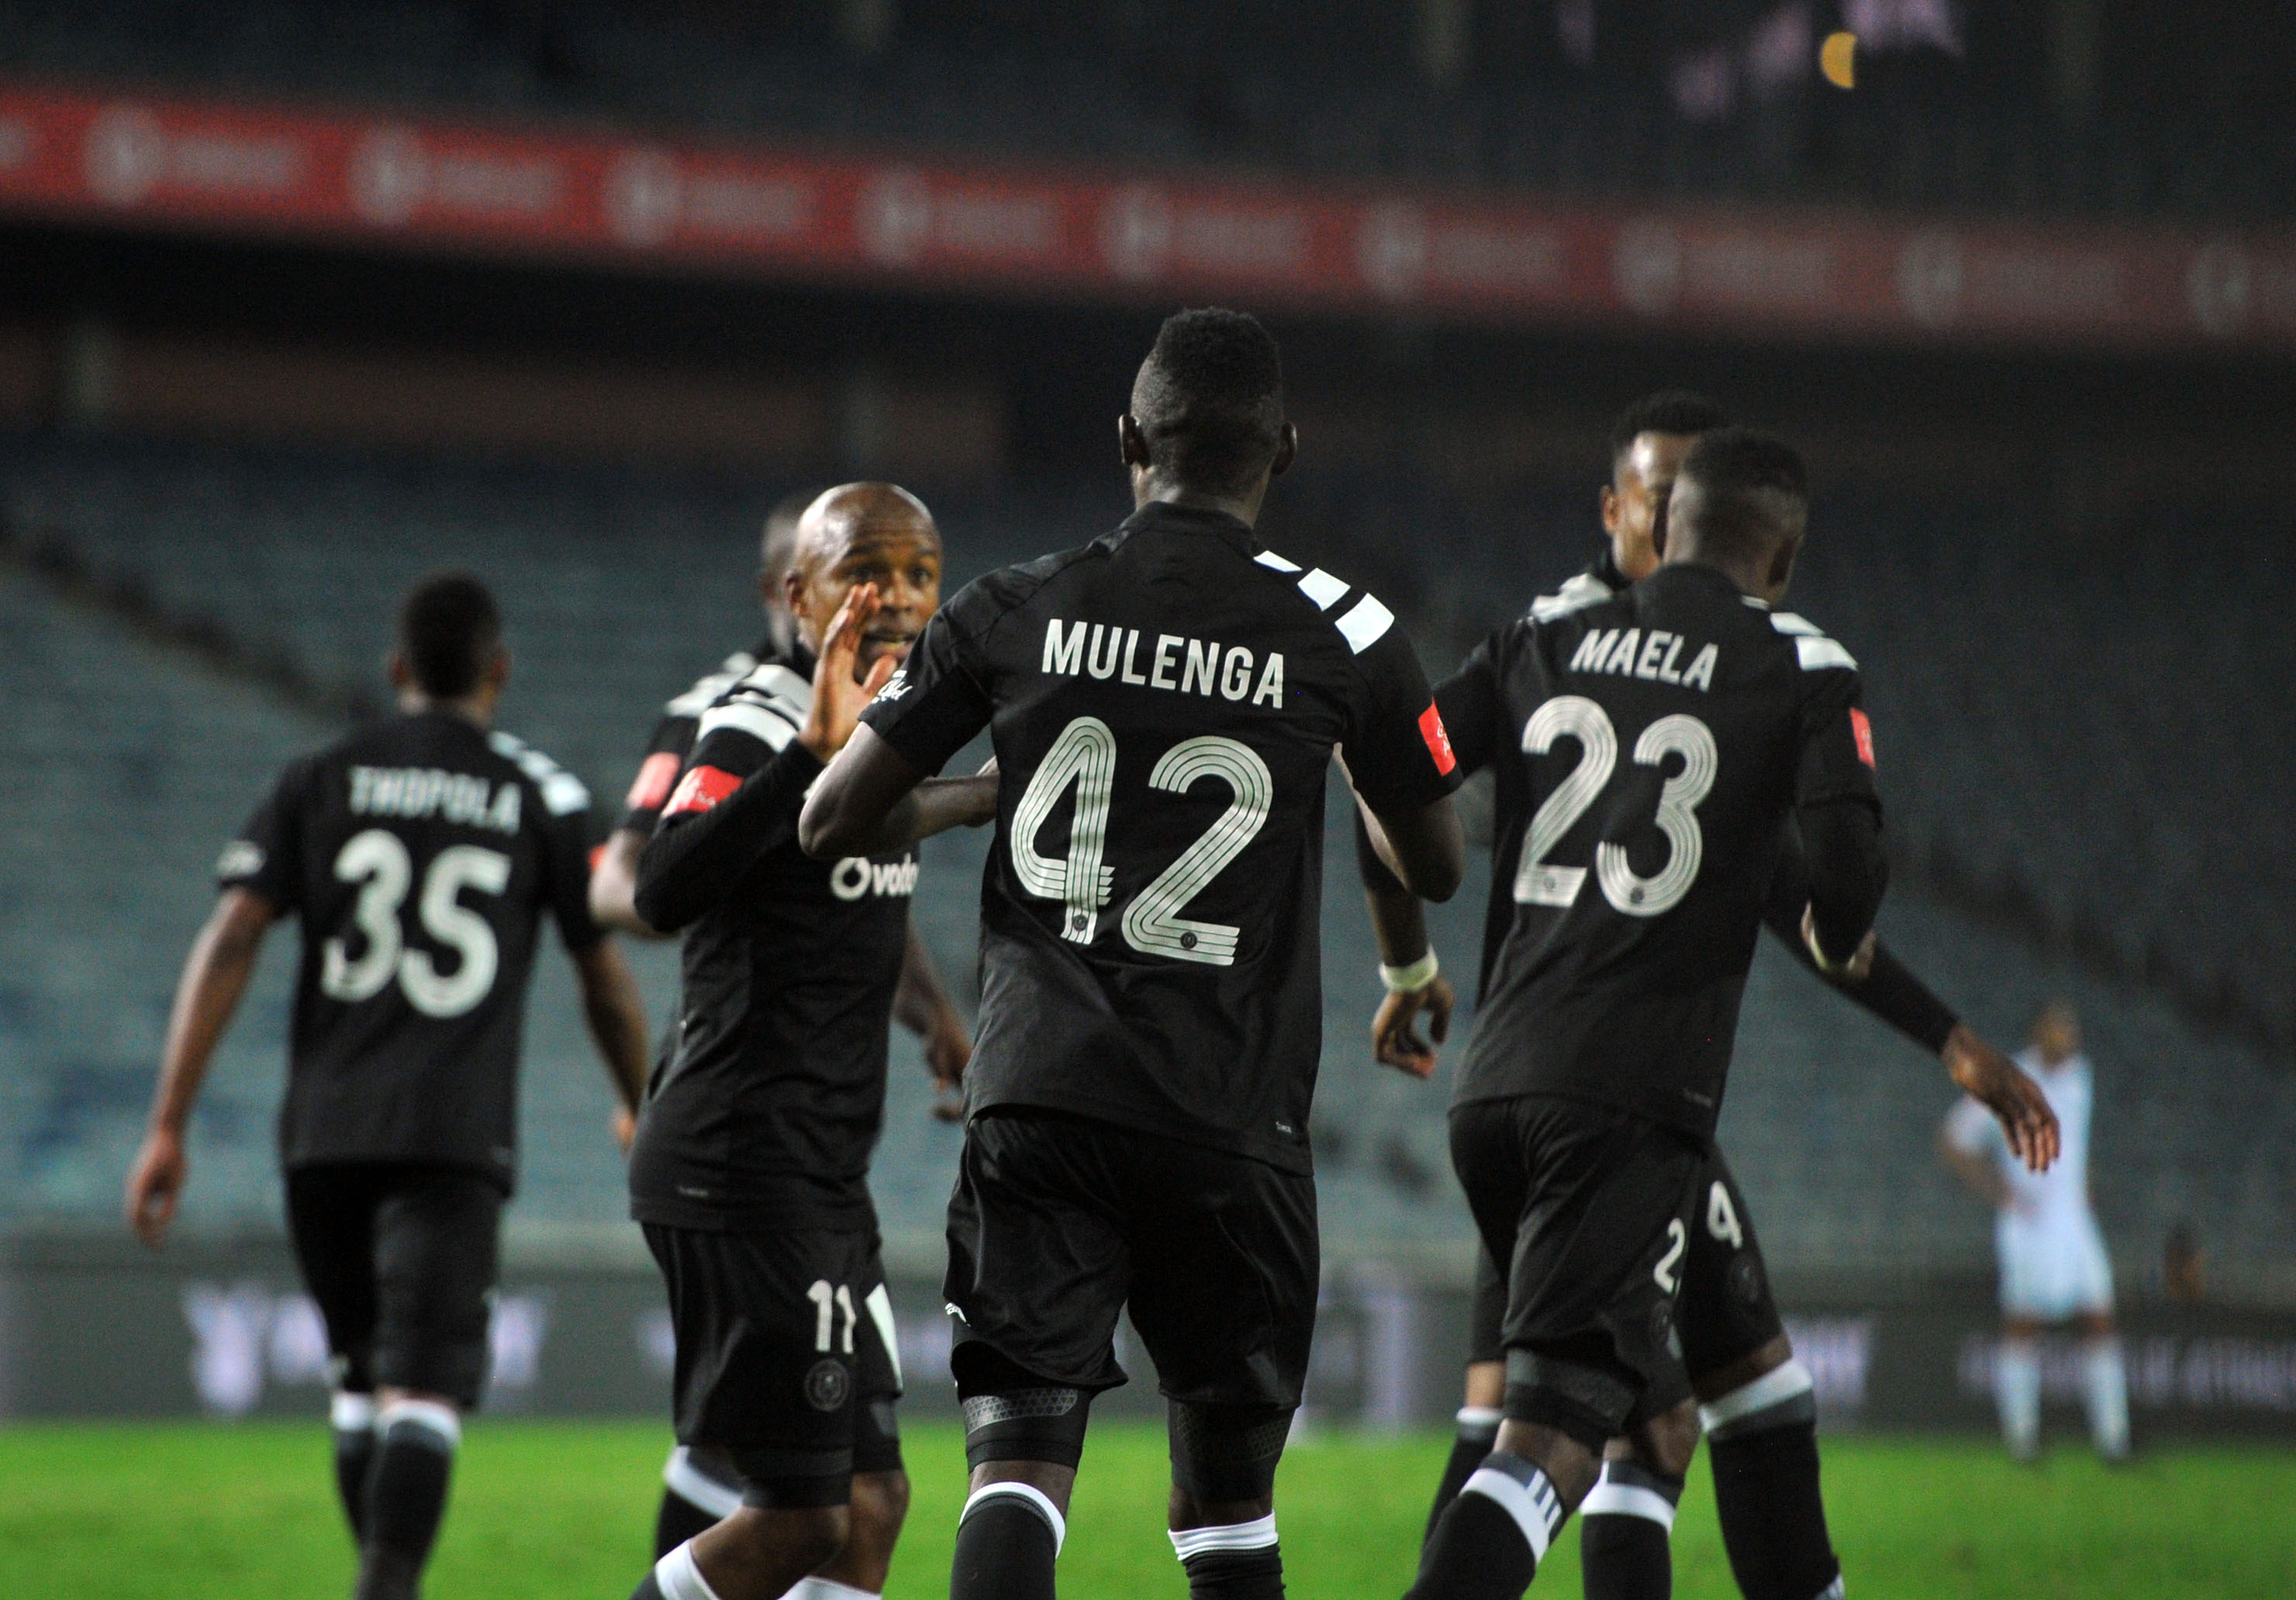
1646, 265
1391, 249
894, 216
1135, 233
1929, 279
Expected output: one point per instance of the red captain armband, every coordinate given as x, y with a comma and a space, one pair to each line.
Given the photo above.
655, 775
1863, 731
702, 789
1439, 740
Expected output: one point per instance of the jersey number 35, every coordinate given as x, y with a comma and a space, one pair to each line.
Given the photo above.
377, 860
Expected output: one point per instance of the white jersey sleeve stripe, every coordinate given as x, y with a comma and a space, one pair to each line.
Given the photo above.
1365, 623
769, 727
1786, 622
1817, 654
1324, 589
1276, 563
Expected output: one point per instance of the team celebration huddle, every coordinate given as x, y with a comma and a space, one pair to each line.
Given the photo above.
1676, 760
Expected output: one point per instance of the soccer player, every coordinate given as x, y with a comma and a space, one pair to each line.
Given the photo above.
1667, 736
700, 1487
1164, 703
2054, 1268
750, 1169
1747, 1387
421, 853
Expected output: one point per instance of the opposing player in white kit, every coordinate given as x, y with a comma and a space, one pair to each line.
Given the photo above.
2053, 1269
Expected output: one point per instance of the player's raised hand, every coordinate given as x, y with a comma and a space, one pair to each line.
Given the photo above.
839, 697
1997, 1083
154, 1185
1395, 1038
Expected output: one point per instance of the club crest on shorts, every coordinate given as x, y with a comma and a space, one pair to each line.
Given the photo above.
828, 1385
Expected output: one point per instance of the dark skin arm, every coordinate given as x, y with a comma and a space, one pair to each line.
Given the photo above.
1400, 920
616, 1016
871, 801
215, 978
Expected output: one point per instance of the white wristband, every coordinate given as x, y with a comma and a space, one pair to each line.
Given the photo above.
1403, 980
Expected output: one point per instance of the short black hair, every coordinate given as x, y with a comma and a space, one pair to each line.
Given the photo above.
1210, 399
448, 628
1669, 411
1752, 488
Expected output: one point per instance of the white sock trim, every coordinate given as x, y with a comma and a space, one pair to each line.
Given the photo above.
1779, 1383
678, 1578
1483, 1419
697, 1488
1530, 1507
347, 1413
1227, 1536
1036, 1499
1628, 1499
828, 1588
428, 1416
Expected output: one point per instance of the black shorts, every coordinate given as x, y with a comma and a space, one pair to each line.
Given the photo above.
1059, 1223
785, 1352
1726, 1310
1590, 1207
401, 1259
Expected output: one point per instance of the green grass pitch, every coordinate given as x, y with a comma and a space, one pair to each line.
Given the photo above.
563, 1510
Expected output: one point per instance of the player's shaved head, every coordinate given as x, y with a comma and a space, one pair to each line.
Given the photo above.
866, 532
1208, 401
1647, 445
838, 518
1741, 504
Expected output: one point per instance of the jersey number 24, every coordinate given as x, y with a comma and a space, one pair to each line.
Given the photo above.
378, 862
1574, 716
1085, 755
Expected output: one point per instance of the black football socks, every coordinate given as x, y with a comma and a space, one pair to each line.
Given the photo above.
1625, 1533
1763, 1441
352, 1419
1479, 1430
407, 1496
1489, 1543
1237, 1561
1006, 1542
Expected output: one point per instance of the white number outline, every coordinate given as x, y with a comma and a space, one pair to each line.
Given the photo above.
1686, 736
827, 1301
1722, 1216
1679, 1236
380, 858
1152, 923
1537, 882
1084, 755
1565, 716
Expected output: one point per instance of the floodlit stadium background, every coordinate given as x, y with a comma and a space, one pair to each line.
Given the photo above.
300, 300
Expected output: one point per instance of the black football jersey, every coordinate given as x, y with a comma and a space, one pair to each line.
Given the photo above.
769, 1106
1164, 703
420, 853
672, 739
1651, 750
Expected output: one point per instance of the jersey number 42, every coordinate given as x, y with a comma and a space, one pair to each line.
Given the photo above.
1085, 755
1540, 882
377, 860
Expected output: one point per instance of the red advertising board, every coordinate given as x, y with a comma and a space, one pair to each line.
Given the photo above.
237, 169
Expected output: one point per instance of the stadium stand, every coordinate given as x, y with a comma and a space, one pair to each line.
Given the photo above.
1663, 100
128, 760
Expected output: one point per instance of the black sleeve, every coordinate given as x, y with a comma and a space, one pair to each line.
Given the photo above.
1891, 991
566, 872
1473, 706
738, 799
267, 855
1399, 753
931, 708
1840, 810
665, 759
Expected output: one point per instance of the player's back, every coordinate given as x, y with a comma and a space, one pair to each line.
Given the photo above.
1650, 749
420, 852
1164, 703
